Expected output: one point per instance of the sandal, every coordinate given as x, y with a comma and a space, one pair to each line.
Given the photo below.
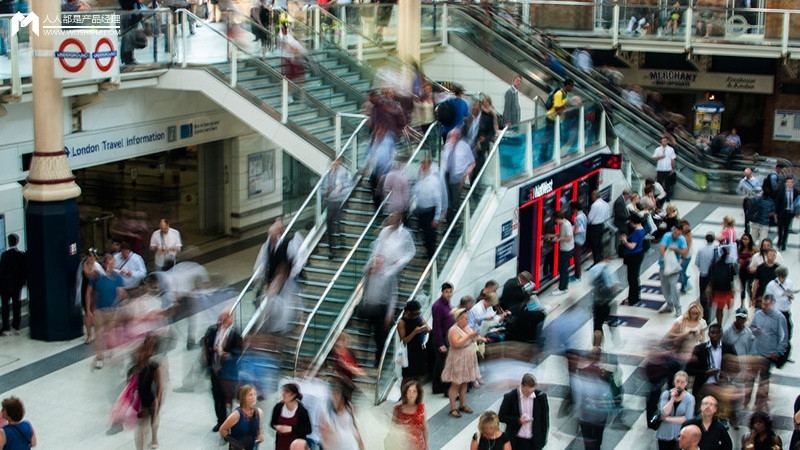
455, 413
466, 409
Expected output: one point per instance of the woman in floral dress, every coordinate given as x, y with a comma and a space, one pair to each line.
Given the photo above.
410, 416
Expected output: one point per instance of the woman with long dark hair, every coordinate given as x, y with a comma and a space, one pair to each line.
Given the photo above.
290, 418
746, 249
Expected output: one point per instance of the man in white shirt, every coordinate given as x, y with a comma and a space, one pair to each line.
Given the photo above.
565, 246
599, 213
747, 189
459, 164
781, 289
130, 265
761, 256
665, 157
166, 243
337, 185
427, 194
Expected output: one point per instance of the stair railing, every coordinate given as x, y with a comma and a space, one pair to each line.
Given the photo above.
341, 320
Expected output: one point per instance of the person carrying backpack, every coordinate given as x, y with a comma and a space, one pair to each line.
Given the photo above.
451, 112
556, 104
722, 275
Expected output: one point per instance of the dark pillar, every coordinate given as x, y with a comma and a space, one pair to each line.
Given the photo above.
52, 230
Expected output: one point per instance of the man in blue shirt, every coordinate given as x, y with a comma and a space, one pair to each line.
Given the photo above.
674, 242
102, 298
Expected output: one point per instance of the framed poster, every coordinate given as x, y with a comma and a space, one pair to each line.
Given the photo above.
260, 173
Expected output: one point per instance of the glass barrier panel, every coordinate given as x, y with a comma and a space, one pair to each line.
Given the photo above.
432, 26
543, 130
570, 123
512, 154
592, 114
23, 52
144, 35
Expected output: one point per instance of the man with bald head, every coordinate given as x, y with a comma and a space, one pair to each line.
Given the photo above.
689, 438
747, 189
713, 434
222, 346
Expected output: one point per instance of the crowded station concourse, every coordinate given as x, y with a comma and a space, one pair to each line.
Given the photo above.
528, 352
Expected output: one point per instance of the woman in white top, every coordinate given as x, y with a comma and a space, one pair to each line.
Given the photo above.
338, 427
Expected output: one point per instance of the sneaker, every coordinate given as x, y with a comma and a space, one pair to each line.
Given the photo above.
574, 280
666, 311
559, 292
15, 332
98, 364
8, 333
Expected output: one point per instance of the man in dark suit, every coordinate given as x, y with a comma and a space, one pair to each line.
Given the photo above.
272, 255
705, 365
526, 413
621, 212
222, 346
784, 206
13, 275
511, 114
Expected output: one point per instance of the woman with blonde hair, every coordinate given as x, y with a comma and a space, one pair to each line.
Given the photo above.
489, 436
690, 327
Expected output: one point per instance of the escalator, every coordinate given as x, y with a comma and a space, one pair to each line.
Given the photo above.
491, 37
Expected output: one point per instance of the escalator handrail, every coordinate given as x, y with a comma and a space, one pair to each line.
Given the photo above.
598, 88
258, 271
388, 55
329, 287
424, 275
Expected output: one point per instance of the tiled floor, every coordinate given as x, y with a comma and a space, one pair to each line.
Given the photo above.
68, 402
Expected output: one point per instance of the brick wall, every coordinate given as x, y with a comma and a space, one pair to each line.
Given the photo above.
785, 149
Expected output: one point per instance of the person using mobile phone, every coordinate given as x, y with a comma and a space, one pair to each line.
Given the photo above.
676, 406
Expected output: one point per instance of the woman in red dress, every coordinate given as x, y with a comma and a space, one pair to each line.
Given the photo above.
409, 415
290, 418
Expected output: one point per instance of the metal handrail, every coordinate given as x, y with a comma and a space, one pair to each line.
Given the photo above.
356, 32
339, 81
591, 80
309, 98
329, 287
591, 85
344, 317
423, 277
311, 195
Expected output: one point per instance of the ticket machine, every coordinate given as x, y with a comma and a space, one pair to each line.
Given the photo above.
549, 193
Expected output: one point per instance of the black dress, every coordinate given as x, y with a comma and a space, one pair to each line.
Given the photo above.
417, 356
491, 444
796, 434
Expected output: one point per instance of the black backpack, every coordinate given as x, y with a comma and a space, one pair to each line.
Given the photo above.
548, 104
721, 274
446, 113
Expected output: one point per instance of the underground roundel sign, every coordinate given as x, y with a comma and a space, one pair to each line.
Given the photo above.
85, 56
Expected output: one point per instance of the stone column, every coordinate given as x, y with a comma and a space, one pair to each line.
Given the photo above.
408, 30
51, 214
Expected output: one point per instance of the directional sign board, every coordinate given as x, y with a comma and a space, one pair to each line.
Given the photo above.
86, 56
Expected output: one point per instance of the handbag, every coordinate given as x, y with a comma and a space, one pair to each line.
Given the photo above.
671, 263
655, 421
126, 409
401, 356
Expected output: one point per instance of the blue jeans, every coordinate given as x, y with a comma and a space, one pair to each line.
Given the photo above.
684, 277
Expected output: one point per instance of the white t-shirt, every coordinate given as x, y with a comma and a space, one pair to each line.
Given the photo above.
565, 230
664, 164
170, 240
